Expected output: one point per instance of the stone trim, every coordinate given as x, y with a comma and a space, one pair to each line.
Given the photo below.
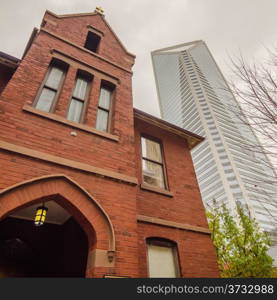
95, 30
65, 190
192, 138
78, 64
30, 41
158, 221
68, 163
157, 190
64, 121
71, 15
50, 178
85, 50
99, 258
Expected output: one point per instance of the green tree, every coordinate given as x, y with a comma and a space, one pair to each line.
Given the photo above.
274, 272
240, 245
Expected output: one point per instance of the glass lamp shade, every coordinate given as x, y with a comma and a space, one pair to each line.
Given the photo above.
40, 215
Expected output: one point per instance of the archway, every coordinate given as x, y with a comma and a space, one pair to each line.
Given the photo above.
58, 248
86, 218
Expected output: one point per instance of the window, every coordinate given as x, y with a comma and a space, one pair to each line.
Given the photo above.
103, 118
162, 258
79, 98
152, 163
92, 41
50, 89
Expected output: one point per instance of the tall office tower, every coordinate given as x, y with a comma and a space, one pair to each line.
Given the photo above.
193, 94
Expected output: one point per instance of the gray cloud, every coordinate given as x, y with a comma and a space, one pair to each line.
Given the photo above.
146, 25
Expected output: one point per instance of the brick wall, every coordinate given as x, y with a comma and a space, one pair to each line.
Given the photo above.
29, 130
196, 253
120, 200
185, 206
195, 250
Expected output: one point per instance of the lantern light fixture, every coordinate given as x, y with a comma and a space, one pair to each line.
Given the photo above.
40, 217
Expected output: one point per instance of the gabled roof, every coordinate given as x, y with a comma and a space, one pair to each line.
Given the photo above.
8, 60
9, 57
92, 14
192, 138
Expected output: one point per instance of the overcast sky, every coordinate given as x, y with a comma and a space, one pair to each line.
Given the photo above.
146, 25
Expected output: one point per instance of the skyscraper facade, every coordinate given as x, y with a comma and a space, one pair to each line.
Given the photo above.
193, 94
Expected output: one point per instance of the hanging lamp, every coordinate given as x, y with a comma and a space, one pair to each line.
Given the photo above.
40, 216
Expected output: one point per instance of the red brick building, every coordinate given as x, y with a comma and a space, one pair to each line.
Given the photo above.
119, 184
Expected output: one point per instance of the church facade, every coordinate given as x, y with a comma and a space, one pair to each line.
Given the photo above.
90, 186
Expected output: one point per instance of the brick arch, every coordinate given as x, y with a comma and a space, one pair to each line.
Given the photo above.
70, 195
164, 238
161, 237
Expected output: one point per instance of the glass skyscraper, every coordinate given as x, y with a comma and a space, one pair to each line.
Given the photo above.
193, 94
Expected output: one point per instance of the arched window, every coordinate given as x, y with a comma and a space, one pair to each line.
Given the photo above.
162, 258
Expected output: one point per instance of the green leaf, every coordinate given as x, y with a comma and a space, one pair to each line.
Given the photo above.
240, 245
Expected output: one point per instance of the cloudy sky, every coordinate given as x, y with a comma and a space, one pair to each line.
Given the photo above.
227, 26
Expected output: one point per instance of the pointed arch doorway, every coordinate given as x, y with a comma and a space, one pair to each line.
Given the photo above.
76, 228
58, 248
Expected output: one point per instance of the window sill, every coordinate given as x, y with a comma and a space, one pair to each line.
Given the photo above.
157, 190
64, 121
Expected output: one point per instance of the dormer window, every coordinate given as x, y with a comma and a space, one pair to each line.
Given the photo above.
92, 41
